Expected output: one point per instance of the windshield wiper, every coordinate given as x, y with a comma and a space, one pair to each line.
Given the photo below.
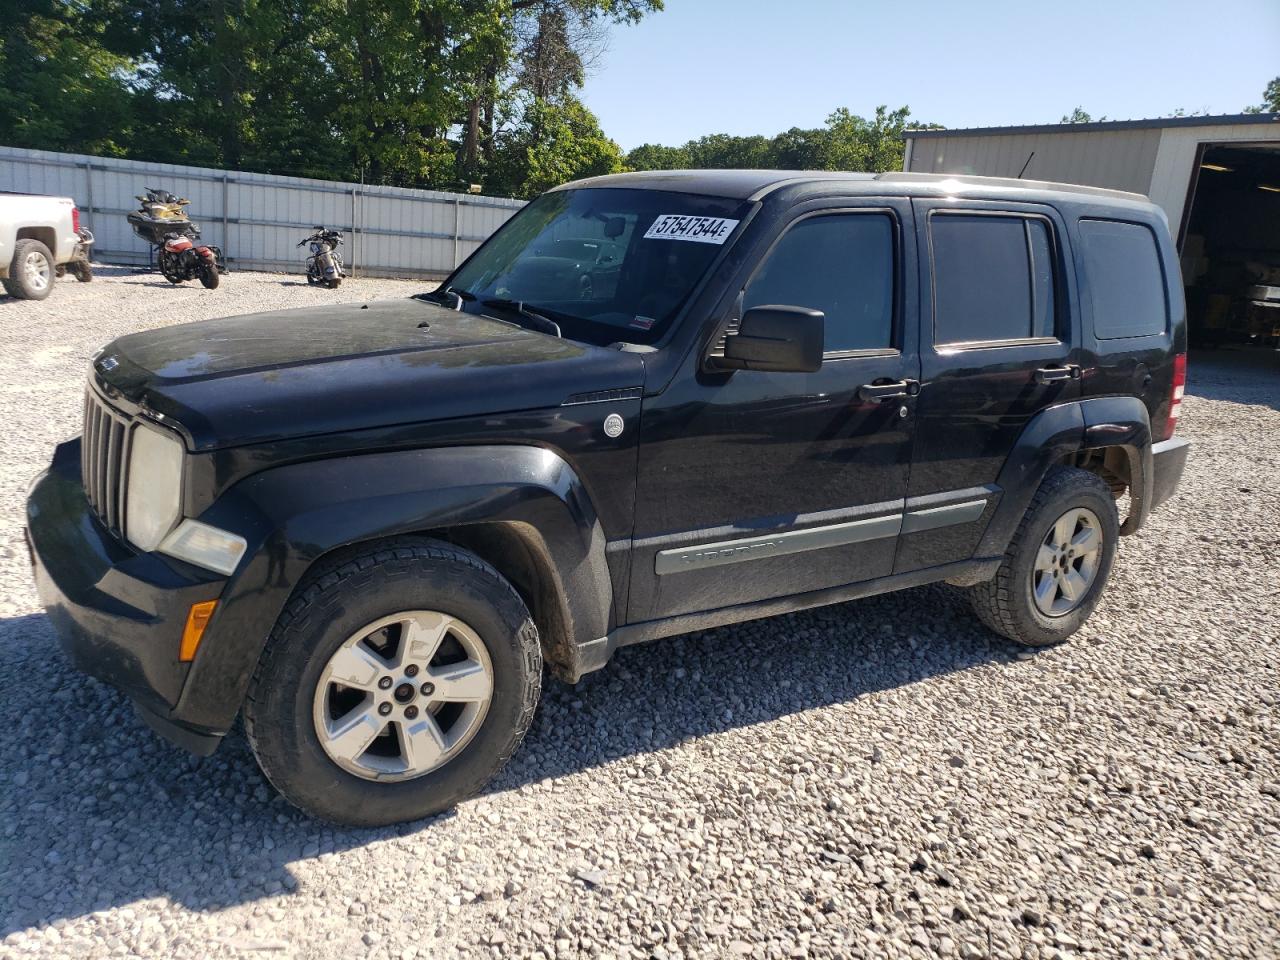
545, 324
438, 295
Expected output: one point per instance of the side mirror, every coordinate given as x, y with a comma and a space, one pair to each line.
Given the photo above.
776, 338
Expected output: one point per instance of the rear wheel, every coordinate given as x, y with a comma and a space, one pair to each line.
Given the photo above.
209, 275
333, 283
396, 683
1057, 564
31, 271
83, 271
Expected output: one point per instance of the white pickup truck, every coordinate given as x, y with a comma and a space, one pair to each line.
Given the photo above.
40, 239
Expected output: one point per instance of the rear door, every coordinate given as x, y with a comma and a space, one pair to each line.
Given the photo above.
996, 347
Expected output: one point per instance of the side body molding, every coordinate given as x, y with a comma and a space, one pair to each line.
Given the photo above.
1058, 432
293, 515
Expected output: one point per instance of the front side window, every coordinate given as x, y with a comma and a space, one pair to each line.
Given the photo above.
606, 264
993, 278
841, 264
1126, 284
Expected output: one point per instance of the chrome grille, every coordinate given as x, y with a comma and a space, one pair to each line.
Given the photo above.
102, 460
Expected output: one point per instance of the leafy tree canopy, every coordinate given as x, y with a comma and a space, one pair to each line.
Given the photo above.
846, 142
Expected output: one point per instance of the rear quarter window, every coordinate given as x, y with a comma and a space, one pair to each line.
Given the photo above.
1126, 283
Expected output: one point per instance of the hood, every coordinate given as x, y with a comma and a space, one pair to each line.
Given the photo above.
294, 373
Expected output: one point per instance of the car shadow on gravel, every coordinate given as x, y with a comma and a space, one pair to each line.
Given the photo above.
98, 812
1235, 376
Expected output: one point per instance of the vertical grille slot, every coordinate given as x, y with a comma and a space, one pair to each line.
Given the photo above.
103, 456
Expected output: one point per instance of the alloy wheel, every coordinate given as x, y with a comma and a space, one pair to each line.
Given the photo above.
403, 695
36, 270
1067, 562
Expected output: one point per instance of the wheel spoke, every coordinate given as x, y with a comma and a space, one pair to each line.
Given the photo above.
356, 666
422, 742
1073, 585
1086, 541
1046, 559
1063, 529
355, 731
421, 637
1046, 590
465, 681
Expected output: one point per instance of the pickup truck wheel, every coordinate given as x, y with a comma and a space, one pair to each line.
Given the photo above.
395, 684
1057, 563
31, 271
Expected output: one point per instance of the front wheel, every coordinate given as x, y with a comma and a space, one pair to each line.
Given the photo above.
396, 683
1057, 564
83, 271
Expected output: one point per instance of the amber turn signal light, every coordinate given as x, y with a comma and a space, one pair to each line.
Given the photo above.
197, 620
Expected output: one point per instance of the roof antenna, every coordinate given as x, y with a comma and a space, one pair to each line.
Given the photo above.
1025, 165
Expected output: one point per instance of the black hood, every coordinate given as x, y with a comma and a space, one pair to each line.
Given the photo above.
293, 373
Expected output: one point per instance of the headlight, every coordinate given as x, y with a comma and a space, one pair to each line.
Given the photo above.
153, 499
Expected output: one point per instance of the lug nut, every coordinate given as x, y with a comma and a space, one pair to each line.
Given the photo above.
384, 708
384, 683
411, 670
410, 712
428, 689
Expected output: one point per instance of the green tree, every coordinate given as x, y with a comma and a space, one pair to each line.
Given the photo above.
551, 144
1270, 99
60, 87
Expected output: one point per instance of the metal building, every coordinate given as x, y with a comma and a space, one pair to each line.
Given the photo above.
1216, 178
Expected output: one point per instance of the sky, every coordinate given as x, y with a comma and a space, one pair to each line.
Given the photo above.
763, 66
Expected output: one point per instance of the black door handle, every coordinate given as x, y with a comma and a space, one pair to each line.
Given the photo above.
888, 391
1054, 374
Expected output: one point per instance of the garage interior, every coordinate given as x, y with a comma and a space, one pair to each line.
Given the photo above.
1230, 246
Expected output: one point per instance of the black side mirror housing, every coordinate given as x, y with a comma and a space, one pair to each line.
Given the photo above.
779, 339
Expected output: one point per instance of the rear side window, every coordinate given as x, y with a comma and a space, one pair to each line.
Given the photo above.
841, 264
1126, 283
993, 278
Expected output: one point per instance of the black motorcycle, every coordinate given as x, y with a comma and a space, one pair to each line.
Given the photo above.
324, 266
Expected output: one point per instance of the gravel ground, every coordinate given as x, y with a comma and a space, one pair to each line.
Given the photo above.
877, 778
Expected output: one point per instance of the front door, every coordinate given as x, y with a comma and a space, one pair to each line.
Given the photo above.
996, 347
756, 485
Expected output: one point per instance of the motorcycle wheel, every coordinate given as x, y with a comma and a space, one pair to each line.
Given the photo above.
209, 275
333, 283
170, 267
83, 271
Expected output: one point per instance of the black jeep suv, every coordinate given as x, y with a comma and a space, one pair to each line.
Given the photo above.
650, 403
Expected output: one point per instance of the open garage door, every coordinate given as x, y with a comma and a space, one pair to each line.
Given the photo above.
1231, 246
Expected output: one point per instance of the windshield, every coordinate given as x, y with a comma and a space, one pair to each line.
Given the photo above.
606, 264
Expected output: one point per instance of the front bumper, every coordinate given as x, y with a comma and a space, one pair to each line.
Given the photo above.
118, 613
1168, 458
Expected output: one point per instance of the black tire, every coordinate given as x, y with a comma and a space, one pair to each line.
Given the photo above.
19, 284
333, 283
1006, 603
209, 276
333, 604
169, 268
83, 271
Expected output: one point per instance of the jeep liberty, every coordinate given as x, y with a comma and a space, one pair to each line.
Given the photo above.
649, 404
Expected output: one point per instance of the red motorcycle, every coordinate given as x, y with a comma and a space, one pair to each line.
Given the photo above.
183, 258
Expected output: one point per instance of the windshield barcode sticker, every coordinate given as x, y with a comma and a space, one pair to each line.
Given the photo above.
675, 226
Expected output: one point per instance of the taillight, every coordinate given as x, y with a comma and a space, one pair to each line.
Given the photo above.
75, 219
1175, 397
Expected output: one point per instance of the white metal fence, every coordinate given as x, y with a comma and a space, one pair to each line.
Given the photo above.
258, 218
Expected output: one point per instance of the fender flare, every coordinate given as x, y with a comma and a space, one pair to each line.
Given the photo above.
294, 515
1058, 432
